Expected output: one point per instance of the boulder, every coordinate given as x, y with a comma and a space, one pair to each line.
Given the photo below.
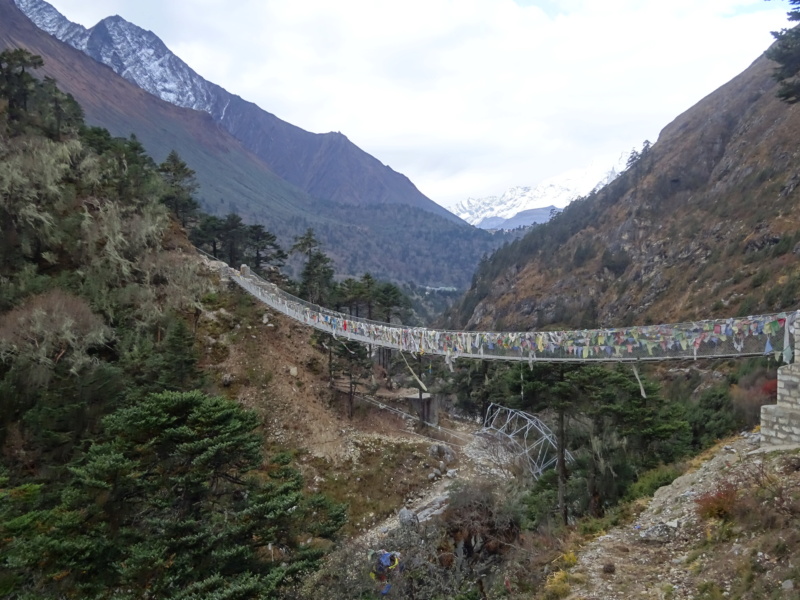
407, 518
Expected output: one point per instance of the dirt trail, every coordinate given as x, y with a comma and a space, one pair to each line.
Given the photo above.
668, 552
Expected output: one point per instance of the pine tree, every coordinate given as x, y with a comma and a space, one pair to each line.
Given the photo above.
368, 292
16, 83
306, 243
208, 234
181, 186
316, 280
164, 507
233, 237
264, 248
388, 297
786, 52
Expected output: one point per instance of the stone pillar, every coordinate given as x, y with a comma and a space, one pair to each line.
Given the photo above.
780, 423
796, 358
245, 271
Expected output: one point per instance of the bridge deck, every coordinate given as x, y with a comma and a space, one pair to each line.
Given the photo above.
770, 334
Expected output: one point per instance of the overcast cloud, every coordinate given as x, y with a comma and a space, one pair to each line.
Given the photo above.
465, 97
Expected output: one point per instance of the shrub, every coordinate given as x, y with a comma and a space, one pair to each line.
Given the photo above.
759, 278
770, 388
719, 503
711, 417
651, 480
557, 585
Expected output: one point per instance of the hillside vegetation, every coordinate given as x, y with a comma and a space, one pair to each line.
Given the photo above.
161, 435
119, 477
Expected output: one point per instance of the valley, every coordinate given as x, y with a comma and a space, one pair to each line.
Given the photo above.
235, 361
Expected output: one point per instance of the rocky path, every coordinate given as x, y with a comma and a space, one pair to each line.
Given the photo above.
452, 465
661, 555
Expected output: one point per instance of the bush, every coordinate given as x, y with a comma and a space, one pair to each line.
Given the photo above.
719, 503
557, 585
712, 417
760, 278
651, 480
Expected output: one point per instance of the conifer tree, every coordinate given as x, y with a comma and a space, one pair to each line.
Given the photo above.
181, 186
208, 234
389, 297
368, 292
163, 507
264, 248
233, 237
306, 243
316, 280
786, 52
16, 82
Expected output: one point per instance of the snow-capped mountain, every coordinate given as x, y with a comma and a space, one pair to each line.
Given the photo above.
136, 54
524, 206
53, 22
326, 166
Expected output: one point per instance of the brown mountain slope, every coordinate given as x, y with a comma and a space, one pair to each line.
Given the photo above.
225, 169
326, 166
705, 224
426, 248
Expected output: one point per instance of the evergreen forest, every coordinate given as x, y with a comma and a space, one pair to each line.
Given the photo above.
120, 477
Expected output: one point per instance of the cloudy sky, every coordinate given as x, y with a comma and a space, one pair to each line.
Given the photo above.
465, 97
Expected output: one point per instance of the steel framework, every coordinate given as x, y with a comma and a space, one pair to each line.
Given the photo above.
522, 437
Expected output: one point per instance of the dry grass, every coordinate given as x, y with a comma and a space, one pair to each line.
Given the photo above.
375, 484
371, 462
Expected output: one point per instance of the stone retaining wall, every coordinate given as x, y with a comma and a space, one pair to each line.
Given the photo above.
780, 423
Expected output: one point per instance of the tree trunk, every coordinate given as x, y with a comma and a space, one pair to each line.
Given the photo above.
561, 465
351, 397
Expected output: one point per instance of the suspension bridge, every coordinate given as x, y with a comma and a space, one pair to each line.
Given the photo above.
773, 335
736, 337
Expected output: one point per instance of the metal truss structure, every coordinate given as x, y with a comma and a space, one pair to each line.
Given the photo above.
521, 438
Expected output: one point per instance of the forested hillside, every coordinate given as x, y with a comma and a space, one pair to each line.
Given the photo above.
119, 477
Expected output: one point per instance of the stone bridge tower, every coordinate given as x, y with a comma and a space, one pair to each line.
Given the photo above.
780, 423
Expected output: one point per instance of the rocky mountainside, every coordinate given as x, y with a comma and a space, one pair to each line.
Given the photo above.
326, 166
523, 205
704, 224
726, 528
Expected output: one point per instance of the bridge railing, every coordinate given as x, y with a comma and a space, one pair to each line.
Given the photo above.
770, 334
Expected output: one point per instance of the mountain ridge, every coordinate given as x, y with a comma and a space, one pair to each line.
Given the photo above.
424, 248
302, 158
522, 206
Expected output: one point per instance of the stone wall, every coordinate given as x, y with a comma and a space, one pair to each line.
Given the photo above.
780, 423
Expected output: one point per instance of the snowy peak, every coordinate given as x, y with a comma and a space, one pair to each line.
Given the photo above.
141, 57
53, 22
524, 205
134, 53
